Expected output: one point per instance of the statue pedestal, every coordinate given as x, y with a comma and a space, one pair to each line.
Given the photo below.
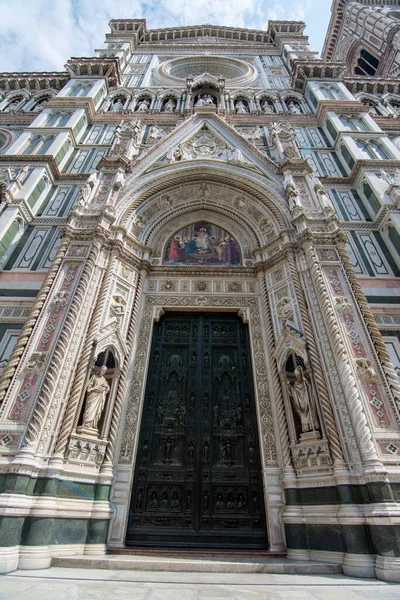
87, 431
310, 436
207, 109
86, 448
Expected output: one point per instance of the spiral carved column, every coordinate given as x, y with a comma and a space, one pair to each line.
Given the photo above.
78, 388
44, 398
114, 427
280, 410
332, 432
364, 435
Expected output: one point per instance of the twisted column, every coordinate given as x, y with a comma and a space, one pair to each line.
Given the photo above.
115, 422
364, 435
83, 372
45, 395
323, 394
280, 409
30, 323
391, 376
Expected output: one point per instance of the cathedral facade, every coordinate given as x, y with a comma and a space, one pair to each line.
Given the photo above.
200, 321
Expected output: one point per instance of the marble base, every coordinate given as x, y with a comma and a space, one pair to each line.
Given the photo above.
34, 557
388, 568
359, 565
9, 558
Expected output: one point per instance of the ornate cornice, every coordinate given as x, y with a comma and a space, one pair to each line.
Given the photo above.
43, 160
35, 82
372, 85
108, 68
304, 70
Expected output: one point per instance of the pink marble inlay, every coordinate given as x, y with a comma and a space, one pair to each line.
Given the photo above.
19, 409
377, 406
357, 347
334, 280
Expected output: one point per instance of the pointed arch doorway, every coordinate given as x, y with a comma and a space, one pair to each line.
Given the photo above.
197, 480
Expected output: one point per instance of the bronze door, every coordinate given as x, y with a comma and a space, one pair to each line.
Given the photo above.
198, 474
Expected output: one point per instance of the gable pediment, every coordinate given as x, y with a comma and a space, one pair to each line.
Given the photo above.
206, 136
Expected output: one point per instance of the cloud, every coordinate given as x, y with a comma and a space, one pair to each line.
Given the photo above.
41, 35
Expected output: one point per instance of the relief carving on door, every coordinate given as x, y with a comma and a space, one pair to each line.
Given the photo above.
198, 474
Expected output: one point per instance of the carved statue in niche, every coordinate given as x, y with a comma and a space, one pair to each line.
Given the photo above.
169, 106
96, 393
301, 396
143, 106
155, 133
205, 100
267, 107
117, 106
294, 108
241, 108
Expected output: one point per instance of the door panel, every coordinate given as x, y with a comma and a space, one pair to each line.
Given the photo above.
198, 475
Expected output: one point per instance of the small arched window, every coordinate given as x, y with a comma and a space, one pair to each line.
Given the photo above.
331, 93
346, 122
52, 119
63, 120
353, 123
45, 146
365, 148
367, 64
377, 149
80, 89
33, 145
372, 149
359, 124
326, 93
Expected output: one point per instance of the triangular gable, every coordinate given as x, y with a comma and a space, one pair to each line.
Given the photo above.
225, 136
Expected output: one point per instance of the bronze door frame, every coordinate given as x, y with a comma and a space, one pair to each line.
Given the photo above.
198, 472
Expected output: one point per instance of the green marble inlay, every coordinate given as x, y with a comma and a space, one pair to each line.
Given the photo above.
45, 531
50, 486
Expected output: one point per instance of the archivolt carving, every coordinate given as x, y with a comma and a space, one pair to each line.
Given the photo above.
164, 179
131, 427
154, 212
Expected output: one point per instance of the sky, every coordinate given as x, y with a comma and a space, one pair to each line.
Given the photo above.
41, 35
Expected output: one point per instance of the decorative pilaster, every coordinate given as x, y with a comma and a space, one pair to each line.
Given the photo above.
392, 377
354, 402
112, 438
288, 470
332, 433
61, 345
32, 320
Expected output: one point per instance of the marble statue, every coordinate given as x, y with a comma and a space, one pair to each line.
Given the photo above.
117, 106
13, 105
300, 393
169, 106
143, 106
267, 108
155, 133
96, 393
39, 106
205, 100
241, 108
294, 108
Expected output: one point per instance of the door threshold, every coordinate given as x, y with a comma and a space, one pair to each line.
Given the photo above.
196, 552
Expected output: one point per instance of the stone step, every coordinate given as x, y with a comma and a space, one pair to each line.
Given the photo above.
197, 565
